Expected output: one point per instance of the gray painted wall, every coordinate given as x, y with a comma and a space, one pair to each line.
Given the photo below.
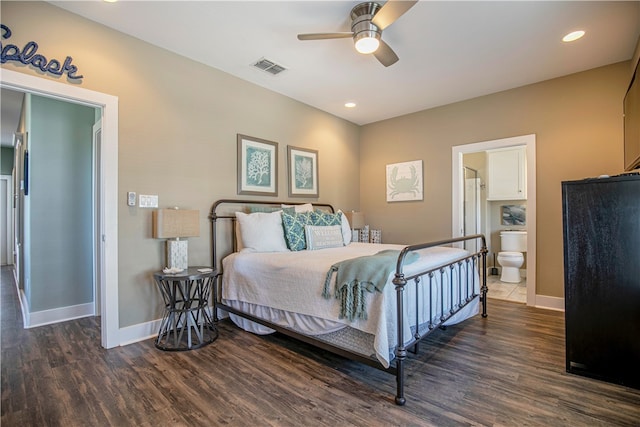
60, 200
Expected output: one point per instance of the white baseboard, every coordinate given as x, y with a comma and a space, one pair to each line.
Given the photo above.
24, 307
55, 315
549, 303
140, 332
47, 317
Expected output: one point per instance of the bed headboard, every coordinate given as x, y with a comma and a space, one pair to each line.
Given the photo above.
223, 220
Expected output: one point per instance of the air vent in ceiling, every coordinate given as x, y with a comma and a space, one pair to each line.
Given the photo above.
269, 66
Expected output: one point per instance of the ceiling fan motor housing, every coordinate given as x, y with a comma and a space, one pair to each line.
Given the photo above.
361, 25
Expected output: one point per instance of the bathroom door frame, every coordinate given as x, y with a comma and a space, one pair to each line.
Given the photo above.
458, 196
477, 206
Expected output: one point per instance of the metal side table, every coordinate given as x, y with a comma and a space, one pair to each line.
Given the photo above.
186, 323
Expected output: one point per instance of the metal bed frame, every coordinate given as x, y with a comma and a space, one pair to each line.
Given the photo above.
475, 260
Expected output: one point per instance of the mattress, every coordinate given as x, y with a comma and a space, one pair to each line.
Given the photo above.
286, 288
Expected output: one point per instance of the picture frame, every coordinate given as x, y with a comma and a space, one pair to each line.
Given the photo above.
303, 172
257, 166
514, 215
404, 181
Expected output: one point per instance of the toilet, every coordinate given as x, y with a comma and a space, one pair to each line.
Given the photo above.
511, 257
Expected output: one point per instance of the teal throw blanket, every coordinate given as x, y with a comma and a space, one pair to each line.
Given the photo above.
357, 275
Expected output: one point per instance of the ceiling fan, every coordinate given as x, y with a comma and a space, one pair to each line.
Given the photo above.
368, 20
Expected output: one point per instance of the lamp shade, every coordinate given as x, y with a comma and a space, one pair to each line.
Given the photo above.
176, 223
356, 219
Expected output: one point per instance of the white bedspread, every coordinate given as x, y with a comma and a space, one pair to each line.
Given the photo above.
293, 282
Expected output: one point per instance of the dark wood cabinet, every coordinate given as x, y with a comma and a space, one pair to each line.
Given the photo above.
601, 227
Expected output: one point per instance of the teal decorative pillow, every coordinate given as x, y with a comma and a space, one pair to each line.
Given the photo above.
324, 218
294, 229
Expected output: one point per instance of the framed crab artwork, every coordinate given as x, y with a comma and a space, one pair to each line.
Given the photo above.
404, 181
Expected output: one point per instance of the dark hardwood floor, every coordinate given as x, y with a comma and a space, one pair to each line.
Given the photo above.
505, 370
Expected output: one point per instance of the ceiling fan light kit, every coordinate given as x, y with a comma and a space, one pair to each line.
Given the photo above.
368, 20
367, 43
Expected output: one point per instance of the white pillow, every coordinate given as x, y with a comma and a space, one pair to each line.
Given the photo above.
323, 236
262, 232
239, 245
307, 207
346, 228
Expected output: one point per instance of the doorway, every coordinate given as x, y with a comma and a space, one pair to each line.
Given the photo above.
6, 231
458, 187
107, 273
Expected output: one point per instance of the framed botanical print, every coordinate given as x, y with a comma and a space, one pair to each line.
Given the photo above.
303, 172
257, 166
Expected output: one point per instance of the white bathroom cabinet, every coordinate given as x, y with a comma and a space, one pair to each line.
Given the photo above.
507, 173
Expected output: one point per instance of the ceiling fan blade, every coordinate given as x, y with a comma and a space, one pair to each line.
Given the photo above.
392, 10
385, 54
324, 36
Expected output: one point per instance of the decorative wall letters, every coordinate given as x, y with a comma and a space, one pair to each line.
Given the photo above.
28, 56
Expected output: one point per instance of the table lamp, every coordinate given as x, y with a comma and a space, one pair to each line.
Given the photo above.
173, 224
356, 220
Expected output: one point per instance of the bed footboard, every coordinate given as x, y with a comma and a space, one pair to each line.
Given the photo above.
467, 270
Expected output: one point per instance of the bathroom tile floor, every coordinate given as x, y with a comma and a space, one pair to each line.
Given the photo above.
516, 292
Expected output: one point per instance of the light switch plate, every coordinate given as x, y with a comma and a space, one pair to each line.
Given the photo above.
147, 201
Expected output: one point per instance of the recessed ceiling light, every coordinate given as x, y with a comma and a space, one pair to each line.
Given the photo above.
110, 1
350, 104
573, 36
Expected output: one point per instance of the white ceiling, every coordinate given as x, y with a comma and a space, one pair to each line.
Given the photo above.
449, 50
